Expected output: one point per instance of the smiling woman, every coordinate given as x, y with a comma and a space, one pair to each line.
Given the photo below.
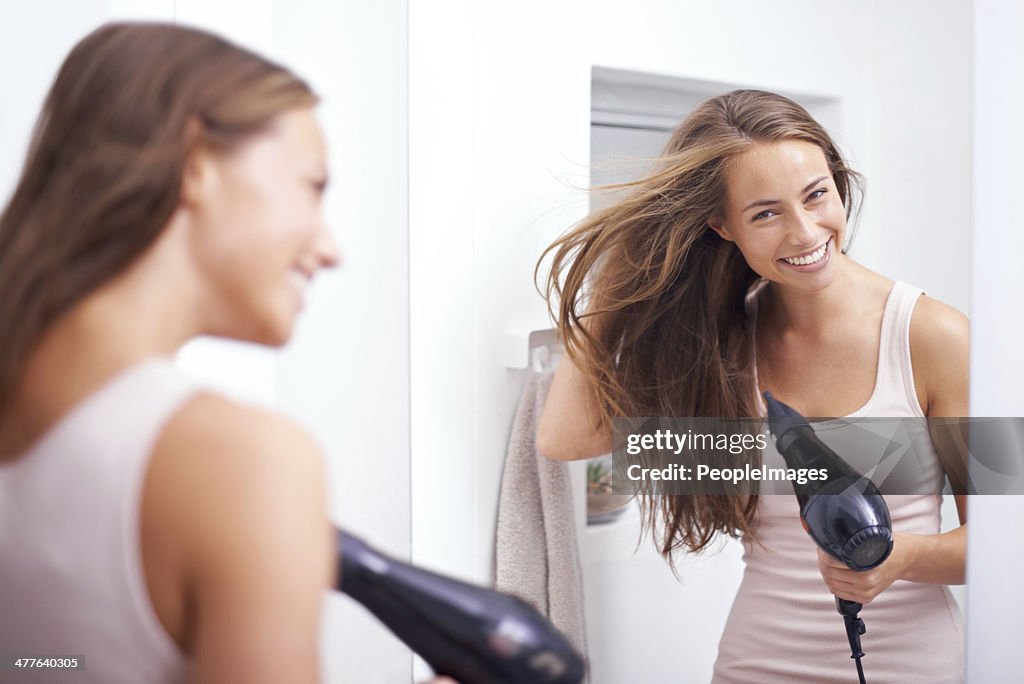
171, 189
260, 234
778, 237
152, 531
722, 274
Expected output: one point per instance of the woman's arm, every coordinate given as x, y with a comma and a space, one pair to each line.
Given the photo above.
568, 426
258, 548
568, 429
939, 349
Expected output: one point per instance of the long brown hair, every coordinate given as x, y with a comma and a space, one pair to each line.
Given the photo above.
650, 301
103, 173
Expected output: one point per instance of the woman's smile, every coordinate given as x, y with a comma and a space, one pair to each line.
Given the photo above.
811, 261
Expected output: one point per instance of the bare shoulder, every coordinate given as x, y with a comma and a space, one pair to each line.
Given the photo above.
238, 464
215, 452
939, 338
214, 433
242, 491
937, 328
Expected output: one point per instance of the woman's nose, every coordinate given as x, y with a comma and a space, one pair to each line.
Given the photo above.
802, 228
326, 249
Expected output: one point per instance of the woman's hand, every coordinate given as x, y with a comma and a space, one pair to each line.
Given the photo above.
862, 587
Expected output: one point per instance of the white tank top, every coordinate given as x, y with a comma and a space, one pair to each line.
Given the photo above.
71, 578
783, 627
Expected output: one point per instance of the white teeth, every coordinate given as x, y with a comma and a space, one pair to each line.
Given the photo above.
811, 258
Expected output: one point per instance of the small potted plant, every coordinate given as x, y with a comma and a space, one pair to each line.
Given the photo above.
602, 505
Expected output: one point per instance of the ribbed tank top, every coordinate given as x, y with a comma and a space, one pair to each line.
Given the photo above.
71, 577
783, 626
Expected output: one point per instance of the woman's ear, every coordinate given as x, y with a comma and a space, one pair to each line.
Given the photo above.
718, 225
196, 175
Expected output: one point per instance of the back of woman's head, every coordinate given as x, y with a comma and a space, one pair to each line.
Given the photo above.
103, 173
651, 302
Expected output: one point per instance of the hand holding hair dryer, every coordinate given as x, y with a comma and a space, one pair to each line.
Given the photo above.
844, 514
472, 634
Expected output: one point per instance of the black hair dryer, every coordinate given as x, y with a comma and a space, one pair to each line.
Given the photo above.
844, 514
472, 634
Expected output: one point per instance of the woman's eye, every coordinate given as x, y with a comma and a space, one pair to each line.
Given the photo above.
764, 214
816, 194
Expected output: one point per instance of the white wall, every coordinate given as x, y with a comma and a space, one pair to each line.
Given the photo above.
499, 114
996, 543
346, 373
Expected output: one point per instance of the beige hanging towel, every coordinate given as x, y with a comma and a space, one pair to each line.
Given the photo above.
537, 555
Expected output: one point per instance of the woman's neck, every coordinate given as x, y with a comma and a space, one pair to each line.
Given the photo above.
809, 314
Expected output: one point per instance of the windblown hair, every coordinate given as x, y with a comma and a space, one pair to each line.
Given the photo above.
650, 301
103, 174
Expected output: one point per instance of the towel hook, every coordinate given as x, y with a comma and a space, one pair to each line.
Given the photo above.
539, 358
519, 346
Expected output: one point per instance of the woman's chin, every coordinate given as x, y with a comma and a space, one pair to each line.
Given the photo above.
280, 335
278, 340
273, 332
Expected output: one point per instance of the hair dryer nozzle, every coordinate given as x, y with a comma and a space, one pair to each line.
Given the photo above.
782, 417
474, 634
868, 548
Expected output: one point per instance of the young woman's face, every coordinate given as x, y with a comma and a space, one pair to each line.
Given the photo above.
259, 232
784, 213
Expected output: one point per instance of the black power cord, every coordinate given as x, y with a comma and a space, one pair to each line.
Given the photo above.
854, 628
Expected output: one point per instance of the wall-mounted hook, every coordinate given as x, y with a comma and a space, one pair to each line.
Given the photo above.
519, 343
